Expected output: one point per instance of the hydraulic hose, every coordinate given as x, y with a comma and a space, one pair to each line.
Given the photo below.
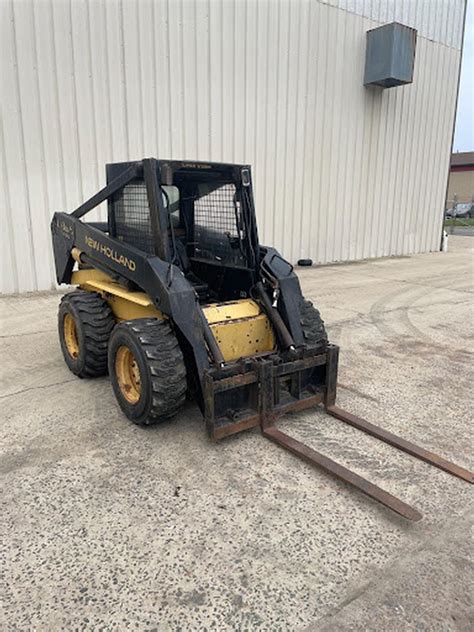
277, 321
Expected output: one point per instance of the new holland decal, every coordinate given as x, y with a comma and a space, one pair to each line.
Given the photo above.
110, 253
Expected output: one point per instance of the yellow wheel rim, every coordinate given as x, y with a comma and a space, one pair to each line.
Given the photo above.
70, 336
128, 374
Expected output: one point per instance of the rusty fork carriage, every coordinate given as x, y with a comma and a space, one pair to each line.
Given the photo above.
274, 387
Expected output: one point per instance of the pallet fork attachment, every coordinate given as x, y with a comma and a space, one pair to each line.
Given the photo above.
265, 378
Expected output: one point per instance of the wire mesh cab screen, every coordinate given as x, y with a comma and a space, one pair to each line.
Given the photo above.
132, 216
218, 225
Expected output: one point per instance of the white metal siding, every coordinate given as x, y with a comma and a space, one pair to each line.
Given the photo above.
341, 172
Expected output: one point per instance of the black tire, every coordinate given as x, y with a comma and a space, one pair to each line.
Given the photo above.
312, 324
305, 262
92, 322
161, 380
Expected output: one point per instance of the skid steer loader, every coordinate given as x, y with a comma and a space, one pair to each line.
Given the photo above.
176, 295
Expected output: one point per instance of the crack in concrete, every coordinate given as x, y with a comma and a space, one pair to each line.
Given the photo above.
28, 333
35, 388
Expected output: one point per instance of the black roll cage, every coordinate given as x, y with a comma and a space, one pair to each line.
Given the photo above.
158, 173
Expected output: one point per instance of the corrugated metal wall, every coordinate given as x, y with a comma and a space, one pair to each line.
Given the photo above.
341, 172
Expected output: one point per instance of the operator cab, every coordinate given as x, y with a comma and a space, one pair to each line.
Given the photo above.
211, 233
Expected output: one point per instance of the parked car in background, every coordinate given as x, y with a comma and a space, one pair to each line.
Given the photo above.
461, 210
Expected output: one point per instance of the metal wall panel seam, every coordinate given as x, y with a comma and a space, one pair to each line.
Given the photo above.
199, 125
313, 224
348, 132
429, 27
134, 90
397, 226
75, 109
334, 68
330, 148
228, 86
188, 36
322, 155
123, 76
288, 89
373, 161
246, 151
387, 176
156, 78
67, 121
59, 129
309, 106
33, 285
387, 206
251, 85
146, 126
93, 99
100, 80
270, 123
278, 134
417, 153
177, 89
9, 269
261, 108
168, 77
366, 116
107, 82
83, 98
445, 22
424, 131
347, 135
291, 204
210, 78
379, 170
446, 139
410, 129
402, 245
393, 192
302, 98
300, 125
431, 203
201, 48
215, 75
238, 127
427, 128
44, 218
358, 158
278, 110
340, 142
222, 77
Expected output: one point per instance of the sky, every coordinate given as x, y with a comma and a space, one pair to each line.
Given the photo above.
464, 133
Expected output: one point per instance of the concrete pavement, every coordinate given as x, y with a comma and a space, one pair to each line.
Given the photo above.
107, 526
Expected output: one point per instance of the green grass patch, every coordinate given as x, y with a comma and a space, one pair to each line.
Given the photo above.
462, 221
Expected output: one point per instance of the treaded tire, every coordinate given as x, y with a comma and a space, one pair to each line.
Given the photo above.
161, 367
93, 323
312, 324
